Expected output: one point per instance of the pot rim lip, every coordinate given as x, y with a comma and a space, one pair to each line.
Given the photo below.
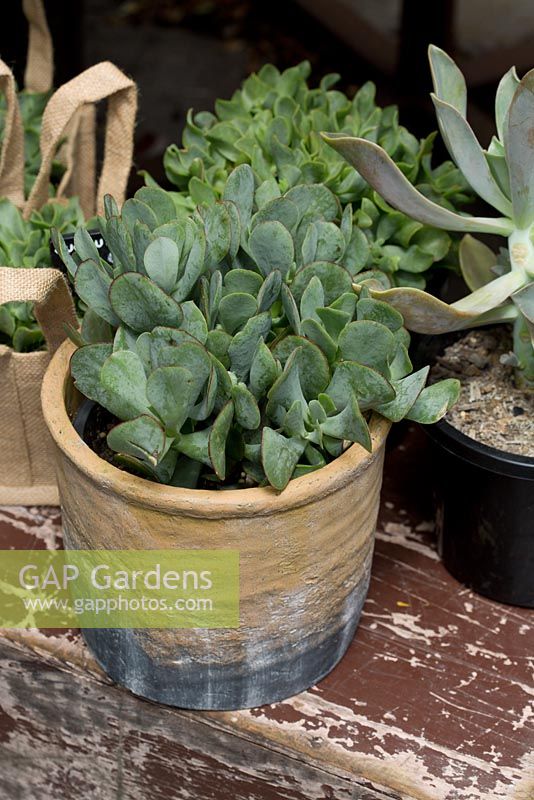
194, 502
491, 458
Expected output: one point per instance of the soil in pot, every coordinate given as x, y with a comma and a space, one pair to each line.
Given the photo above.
491, 409
93, 423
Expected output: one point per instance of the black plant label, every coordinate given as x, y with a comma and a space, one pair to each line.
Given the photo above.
97, 238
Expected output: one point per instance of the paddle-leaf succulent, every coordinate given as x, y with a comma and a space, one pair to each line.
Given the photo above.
230, 345
502, 285
273, 122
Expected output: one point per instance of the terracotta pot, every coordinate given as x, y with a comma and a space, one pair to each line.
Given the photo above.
305, 561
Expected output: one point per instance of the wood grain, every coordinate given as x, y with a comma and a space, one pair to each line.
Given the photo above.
433, 701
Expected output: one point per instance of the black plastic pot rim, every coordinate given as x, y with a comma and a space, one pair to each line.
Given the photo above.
82, 415
484, 456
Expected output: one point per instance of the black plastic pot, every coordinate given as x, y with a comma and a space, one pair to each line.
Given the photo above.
484, 515
484, 501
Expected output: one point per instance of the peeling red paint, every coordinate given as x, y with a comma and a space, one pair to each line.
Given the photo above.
434, 700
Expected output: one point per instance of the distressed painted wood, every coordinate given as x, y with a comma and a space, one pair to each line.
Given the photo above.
433, 701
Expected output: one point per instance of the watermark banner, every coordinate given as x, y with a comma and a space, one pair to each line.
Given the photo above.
119, 589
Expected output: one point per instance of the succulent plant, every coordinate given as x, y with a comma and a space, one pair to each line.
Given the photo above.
18, 328
25, 243
502, 286
230, 345
272, 123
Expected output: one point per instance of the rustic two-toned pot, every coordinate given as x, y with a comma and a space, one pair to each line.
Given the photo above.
305, 561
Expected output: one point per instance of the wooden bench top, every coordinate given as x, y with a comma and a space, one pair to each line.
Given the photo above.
433, 701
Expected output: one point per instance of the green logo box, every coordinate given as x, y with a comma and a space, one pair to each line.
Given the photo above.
119, 589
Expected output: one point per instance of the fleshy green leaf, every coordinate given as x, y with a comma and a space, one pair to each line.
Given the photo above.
95, 329
247, 413
469, 156
142, 438
374, 164
85, 247
63, 252
368, 343
349, 424
520, 153
239, 189
503, 99
194, 321
312, 299
381, 312
434, 401
161, 262
407, 391
279, 457
285, 390
271, 246
170, 392
316, 332
524, 300
269, 291
195, 446
491, 295
290, 309
218, 233
244, 344
159, 202
281, 210
314, 372
120, 245
401, 366
194, 266
218, 342
235, 310
141, 304
7, 322
449, 83
217, 439
263, 371
370, 387
123, 380
242, 280
476, 262
424, 313
92, 285
334, 279
330, 242
314, 201
85, 366
135, 210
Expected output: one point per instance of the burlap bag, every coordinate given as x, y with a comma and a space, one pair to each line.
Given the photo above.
73, 105
39, 74
77, 151
26, 457
12, 157
39, 77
